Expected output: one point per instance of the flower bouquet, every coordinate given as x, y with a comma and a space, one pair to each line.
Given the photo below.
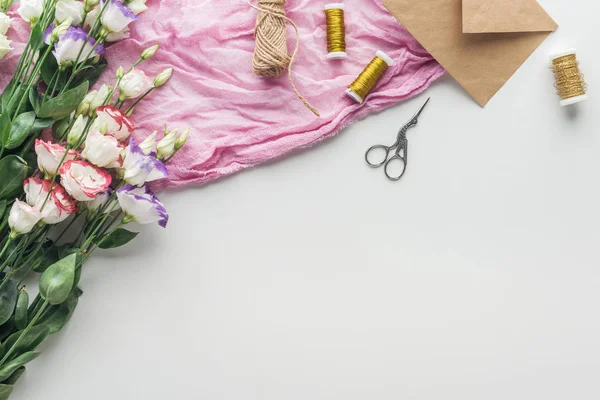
71, 175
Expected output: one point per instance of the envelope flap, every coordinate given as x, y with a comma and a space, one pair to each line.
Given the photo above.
488, 16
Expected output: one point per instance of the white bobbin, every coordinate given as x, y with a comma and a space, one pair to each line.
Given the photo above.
335, 55
388, 60
572, 100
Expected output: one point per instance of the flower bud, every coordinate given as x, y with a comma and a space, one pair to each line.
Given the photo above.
61, 29
84, 106
120, 72
90, 4
147, 145
76, 132
149, 52
166, 147
163, 77
180, 142
99, 98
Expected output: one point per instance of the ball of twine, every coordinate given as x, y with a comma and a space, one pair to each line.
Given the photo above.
271, 57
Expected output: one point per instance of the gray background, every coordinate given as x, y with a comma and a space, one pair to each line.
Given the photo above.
314, 277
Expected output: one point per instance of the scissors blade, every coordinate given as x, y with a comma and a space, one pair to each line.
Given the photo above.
416, 117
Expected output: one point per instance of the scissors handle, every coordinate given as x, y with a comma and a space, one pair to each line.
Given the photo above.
394, 160
369, 155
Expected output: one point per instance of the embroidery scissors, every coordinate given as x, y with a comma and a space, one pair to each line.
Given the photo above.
399, 149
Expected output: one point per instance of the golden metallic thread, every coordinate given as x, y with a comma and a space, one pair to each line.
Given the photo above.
336, 30
367, 80
569, 79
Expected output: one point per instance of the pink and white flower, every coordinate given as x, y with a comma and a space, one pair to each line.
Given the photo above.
103, 151
50, 155
141, 205
83, 181
55, 205
117, 16
22, 218
140, 168
114, 122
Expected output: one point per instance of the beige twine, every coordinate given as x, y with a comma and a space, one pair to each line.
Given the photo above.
271, 57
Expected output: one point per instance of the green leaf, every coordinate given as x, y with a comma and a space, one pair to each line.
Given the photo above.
8, 300
48, 69
57, 282
42, 124
9, 105
36, 39
3, 204
28, 341
48, 257
59, 129
63, 105
13, 172
7, 369
56, 317
117, 238
35, 99
20, 130
15, 376
5, 124
91, 73
5, 391
21, 318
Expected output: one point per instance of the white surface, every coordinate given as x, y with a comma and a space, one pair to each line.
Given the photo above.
474, 278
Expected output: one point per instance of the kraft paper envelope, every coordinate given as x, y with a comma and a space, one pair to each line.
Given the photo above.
480, 62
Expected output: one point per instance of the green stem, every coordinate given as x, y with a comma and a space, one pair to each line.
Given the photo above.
24, 333
68, 226
36, 70
140, 99
49, 89
8, 242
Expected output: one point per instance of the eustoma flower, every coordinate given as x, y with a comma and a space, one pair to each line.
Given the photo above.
112, 121
83, 181
140, 168
69, 9
103, 150
54, 204
134, 84
50, 155
116, 17
141, 205
68, 49
31, 10
100, 201
22, 218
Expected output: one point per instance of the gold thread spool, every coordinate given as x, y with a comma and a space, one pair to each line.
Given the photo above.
336, 31
366, 81
569, 82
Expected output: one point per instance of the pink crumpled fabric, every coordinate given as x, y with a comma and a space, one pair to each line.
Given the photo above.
239, 120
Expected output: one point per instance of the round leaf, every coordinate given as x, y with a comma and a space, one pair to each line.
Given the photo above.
20, 129
8, 299
57, 281
13, 172
117, 238
21, 310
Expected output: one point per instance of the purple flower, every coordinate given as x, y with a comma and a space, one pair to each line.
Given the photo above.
141, 168
69, 47
141, 205
116, 16
48, 34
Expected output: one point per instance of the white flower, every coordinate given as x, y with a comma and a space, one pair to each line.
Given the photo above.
30, 10
4, 23
99, 97
117, 36
100, 201
69, 8
22, 218
117, 16
91, 17
140, 168
166, 147
50, 155
4, 46
142, 206
137, 6
83, 181
102, 151
134, 84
